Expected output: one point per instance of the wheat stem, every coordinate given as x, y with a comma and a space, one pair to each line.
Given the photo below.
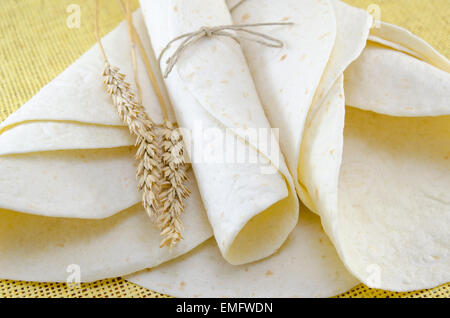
148, 67
97, 30
133, 50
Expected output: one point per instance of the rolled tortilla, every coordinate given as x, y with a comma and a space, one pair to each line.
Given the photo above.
251, 212
307, 265
73, 170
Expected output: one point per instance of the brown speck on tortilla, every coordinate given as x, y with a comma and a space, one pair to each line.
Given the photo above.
324, 36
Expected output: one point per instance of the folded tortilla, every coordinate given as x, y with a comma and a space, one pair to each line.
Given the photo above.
251, 212
394, 204
73, 112
77, 166
381, 201
389, 220
38, 248
307, 265
394, 83
403, 40
352, 31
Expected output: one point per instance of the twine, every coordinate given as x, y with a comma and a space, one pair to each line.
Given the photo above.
193, 37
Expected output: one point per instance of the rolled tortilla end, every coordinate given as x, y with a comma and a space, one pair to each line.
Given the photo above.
271, 227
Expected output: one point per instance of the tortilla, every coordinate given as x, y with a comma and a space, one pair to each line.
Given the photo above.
307, 265
37, 248
251, 212
390, 82
81, 86
47, 136
377, 224
76, 171
352, 30
395, 219
287, 79
73, 112
302, 267
388, 215
403, 40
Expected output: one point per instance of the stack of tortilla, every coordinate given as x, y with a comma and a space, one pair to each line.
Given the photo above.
375, 174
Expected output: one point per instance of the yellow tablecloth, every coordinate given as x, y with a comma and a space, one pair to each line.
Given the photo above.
36, 45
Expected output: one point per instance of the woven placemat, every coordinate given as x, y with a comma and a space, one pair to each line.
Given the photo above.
36, 44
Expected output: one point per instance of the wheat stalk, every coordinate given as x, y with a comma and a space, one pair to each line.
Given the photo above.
161, 169
173, 165
174, 190
132, 113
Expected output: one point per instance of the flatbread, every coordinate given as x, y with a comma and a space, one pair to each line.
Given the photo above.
251, 212
38, 248
390, 82
307, 265
77, 176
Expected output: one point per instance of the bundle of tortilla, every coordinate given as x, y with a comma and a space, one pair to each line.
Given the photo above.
386, 209
68, 193
251, 205
67, 159
307, 265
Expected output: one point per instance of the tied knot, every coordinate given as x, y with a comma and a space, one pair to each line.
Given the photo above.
208, 31
229, 31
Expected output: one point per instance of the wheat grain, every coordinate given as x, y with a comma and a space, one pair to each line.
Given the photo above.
173, 189
161, 169
132, 113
